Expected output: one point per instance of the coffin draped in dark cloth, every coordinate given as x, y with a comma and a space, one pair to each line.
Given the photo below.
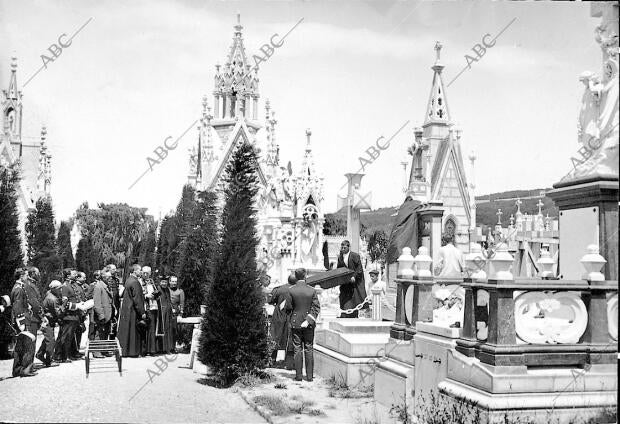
331, 278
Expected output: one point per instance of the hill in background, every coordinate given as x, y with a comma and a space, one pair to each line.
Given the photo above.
487, 206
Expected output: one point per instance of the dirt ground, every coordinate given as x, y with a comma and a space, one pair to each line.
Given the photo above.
64, 394
319, 408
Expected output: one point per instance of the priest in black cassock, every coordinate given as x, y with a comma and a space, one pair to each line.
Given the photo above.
131, 323
167, 342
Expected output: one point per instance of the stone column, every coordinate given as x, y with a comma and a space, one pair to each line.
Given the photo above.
468, 340
353, 211
216, 105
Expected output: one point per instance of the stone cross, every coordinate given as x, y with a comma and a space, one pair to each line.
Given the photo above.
540, 204
499, 216
518, 203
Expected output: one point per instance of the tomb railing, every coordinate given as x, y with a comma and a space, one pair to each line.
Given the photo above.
509, 321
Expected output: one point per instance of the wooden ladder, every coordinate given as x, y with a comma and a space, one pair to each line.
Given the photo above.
103, 346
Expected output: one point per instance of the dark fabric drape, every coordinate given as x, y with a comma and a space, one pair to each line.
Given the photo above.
404, 231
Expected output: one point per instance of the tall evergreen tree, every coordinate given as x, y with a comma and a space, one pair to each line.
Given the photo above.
166, 245
195, 270
10, 241
173, 231
41, 237
64, 245
233, 339
86, 257
147, 246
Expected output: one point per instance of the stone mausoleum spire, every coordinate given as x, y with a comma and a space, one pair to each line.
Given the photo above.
437, 108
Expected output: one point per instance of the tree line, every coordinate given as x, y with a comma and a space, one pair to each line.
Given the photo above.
211, 250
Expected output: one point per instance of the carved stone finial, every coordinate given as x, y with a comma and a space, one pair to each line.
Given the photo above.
438, 47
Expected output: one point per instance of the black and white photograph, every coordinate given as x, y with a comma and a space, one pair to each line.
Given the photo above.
309, 211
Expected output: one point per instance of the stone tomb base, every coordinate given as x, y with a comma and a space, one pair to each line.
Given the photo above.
394, 375
349, 348
545, 394
415, 366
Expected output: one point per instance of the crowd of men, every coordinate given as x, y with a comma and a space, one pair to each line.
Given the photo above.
141, 312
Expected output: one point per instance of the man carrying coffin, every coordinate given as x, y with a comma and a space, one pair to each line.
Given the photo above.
131, 324
305, 308
354, 292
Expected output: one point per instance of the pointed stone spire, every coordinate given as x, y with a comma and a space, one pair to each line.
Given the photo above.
206, 125
13, 92
11, 106
437, 109
235, 93
45, 172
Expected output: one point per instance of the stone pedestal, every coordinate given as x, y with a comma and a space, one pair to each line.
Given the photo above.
194, 364
543, 394
349, 349
588, 215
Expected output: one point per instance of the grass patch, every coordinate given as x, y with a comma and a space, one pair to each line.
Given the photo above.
316, 412
338, 388
275, 404
279, 406
253, 379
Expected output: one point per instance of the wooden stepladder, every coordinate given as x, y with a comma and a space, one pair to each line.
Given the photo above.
104, 346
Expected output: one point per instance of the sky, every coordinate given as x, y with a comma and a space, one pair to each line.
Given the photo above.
351, 71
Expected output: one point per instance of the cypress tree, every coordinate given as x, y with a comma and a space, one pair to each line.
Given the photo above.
173, 231
64, 245
166, 245
41, 237
147, 247
233, 340
10, 241
86, 256
195, 270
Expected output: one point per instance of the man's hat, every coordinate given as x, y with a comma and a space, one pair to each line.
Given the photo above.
55, 284
373, 271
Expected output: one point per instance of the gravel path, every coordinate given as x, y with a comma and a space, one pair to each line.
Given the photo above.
64, 394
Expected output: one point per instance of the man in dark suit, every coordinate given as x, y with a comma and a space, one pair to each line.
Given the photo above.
66, 344
23, 354
305, 310
354, 293
103, 307
131, 322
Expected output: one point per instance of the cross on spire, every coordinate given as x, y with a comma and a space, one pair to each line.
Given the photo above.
438, 47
